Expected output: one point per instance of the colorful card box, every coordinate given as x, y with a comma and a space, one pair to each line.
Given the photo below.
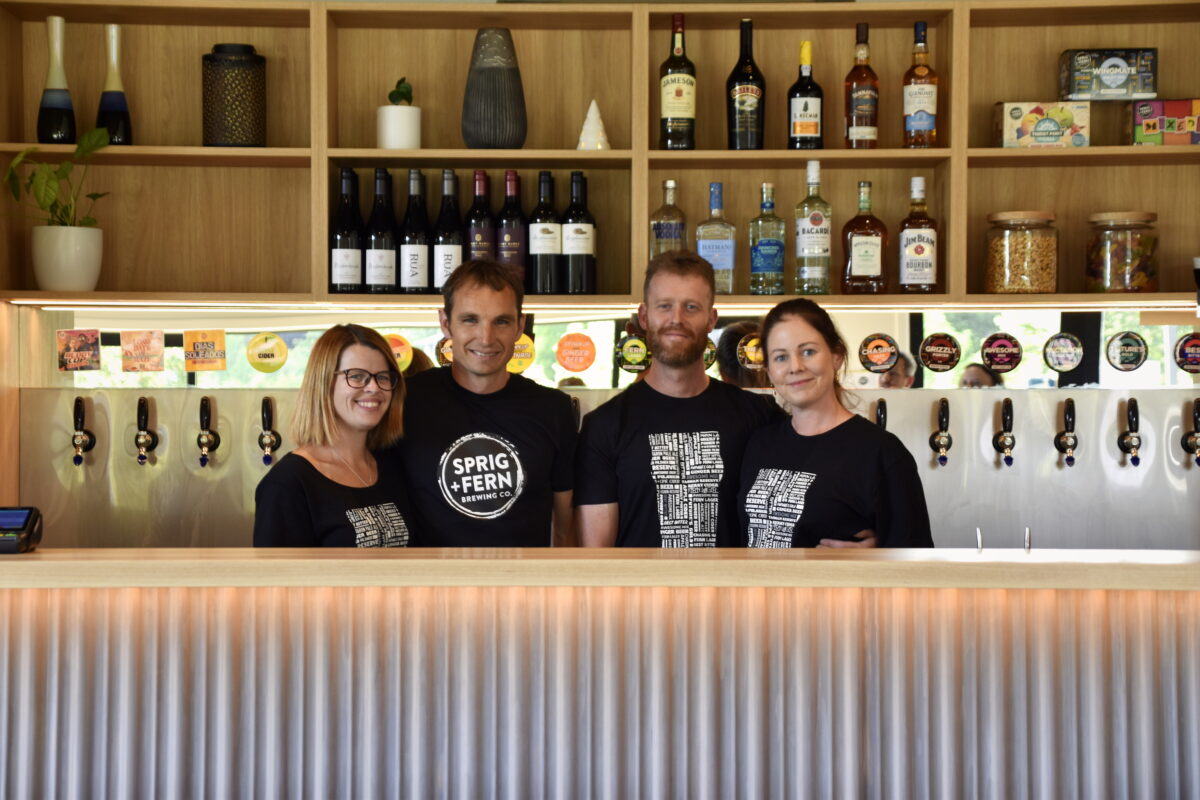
1129, 74
1163, 122
1053, 124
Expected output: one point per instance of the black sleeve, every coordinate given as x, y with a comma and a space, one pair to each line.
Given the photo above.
901, 513
563, 477
281, 514
769, 410
595, 462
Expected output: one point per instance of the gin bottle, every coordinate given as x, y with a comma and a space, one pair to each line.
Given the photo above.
766, 247
715, 240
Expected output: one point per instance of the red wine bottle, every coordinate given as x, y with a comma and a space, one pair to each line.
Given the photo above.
448, 236
346, 238
579, 240
380, 255
414, 239
545, 241
511, 232
481, 225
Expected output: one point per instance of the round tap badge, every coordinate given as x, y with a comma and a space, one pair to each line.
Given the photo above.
1001, 352
632, 354
523, 354
1126, 351
402, 349
1187, 352
444, 352
939, 352
481, 475
878, 353
710, 354
1063, 352
266, 352
749, 351
575, 352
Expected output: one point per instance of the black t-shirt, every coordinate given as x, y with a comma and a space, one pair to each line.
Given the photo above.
671, 464
797, 490
482, 469
297, 506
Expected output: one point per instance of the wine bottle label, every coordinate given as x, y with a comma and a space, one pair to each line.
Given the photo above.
747, 107
920, 107
579, 239
813, 236
510, 247
805, 116
346, 265
766, 256
446, 259
718, 252
414, 266
545, 239
381, 267
678, 96
866, 256
481, 242
918, 256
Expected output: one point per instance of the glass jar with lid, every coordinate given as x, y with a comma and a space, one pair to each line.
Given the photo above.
1022, 253
1122, 252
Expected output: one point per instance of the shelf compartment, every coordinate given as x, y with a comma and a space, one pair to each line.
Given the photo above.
156, 156
375, 157
210, 12
1123, 155
796, 159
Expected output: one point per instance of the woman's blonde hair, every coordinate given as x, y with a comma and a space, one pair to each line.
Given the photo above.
314, 421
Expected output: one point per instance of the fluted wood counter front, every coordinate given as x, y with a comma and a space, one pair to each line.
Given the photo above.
599, 674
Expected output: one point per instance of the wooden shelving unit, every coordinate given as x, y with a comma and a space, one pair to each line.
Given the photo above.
187, 224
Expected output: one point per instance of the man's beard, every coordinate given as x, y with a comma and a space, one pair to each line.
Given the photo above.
676, 355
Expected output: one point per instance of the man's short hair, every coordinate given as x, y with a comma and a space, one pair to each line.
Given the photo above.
683, 263
483, 272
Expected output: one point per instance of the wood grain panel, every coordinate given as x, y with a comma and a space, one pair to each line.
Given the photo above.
561, 72
161, 71
10, 79
10, 404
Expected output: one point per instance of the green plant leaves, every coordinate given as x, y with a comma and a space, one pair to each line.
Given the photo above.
94, 196
45, 186
403, 93
50, 185
88, 222
90, 142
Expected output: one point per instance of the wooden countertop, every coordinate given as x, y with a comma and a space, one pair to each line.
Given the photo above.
1168, 570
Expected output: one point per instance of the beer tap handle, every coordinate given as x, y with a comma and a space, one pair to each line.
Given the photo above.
268, 440
1066, 442
881, 413
207, 440
1131, 414
1191, 440
1130, 441
145, 440
82, 440
1004, 441
940, 440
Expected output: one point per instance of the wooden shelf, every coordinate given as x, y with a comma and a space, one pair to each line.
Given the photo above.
1002, 13
1126, 155
374, 157
156, 156
186, 299
472, 16
796, 159
222, 13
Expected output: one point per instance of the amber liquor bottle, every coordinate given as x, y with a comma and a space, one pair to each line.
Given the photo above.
864, 241
920, 95
862, 97
918, 244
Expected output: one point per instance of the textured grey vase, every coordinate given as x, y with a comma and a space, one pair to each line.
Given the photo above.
493, 113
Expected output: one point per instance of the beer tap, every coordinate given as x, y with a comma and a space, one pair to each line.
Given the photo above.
940, 440
1066, 442
207, 440
83, 440
1130, 441
145, 440
1191, 441
881, 413
269, 440
1004, 441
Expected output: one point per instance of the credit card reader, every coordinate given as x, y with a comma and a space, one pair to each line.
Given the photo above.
20, 529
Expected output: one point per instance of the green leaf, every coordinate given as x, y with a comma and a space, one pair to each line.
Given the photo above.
14, 185
403, 93
90, 142
88, 222
94, 196
45, 186
64, 170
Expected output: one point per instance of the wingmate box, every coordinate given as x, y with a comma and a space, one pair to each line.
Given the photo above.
1163, 122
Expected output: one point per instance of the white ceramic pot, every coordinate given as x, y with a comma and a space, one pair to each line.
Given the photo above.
67, 259
398, 127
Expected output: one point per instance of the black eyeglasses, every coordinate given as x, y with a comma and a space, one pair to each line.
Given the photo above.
358, 378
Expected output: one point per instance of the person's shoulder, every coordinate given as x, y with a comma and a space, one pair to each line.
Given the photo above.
867, 433
756, 402
520, 385
614, 406
289, 470
770, 434
430, 379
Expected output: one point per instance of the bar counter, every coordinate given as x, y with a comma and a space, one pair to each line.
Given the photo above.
605, 674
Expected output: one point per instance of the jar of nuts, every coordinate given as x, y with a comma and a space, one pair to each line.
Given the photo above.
1122, 252
1022, 253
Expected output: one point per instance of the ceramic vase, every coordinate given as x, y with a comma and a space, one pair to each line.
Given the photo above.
493, 113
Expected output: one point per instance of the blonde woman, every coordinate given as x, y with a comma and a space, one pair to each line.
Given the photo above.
331, 491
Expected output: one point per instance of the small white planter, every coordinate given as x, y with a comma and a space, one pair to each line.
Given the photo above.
67, 259
398, 127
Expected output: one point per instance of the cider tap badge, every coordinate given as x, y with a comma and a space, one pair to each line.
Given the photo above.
750, 351
1001, 352
402, 350
1126, 351
1063, 352
267, 352
939, 352
1187, 352
710, 354
878, 353
523, 355
444, 352
481, 475
576, 352
632, 353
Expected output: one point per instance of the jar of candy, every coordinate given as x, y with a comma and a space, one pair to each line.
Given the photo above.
1122, 252
1022, 253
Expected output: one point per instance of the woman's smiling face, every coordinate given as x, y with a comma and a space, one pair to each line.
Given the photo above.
802, 366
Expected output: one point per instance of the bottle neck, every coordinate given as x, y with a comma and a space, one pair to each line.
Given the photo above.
545, 192
112, 78
677, 48
747, 51
578, 193
814, 188
768, 201
862, 53
512, 189
481, 190
864, 200
917, 205
920, 54
669, 196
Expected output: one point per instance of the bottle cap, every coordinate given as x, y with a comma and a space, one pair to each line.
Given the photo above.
919, 32
716, 198
814, 172
918, 187
447, 174
677, 22
669, 183
806, 52
861, 31
864, 184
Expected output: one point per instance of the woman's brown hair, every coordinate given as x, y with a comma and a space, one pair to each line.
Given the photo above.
314, 421
819, 318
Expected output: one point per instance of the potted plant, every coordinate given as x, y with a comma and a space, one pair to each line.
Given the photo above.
68, 248
398, 125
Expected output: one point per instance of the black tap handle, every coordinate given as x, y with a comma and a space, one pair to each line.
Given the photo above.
205, 413
1196, 414
80, 417
268, 414
143, 414
881, 413
1131, 415
1069, 416
1006, 415
943, 414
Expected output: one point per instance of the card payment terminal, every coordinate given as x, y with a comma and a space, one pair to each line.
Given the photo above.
20, 529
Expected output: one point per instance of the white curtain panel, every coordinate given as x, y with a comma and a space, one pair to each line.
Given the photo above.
529, 693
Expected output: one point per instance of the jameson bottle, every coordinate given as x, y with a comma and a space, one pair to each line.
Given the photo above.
668, 225
814, 239
862, 96
677, 95
545, 241
481, 226
920, 95
511, 231
716, 240
579, 240
806, 120
346, 238
380, 253
745, 97
918, 244
865, 239
415, 237
766, 247
448, 234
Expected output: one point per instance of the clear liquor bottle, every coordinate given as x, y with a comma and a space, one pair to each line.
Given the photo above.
814, 238
716, 240
920, 95
766, 247
668, 225
865, 239
918, 244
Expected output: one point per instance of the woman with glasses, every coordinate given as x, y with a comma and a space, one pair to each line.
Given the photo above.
331, 491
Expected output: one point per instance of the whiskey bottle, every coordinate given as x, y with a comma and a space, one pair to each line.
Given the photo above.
864, 240
668, 225
814, 251
862, 96
918, 244
920, 95
677, 95
766, 247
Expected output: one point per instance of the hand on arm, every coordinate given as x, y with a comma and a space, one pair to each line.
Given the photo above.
864, 538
